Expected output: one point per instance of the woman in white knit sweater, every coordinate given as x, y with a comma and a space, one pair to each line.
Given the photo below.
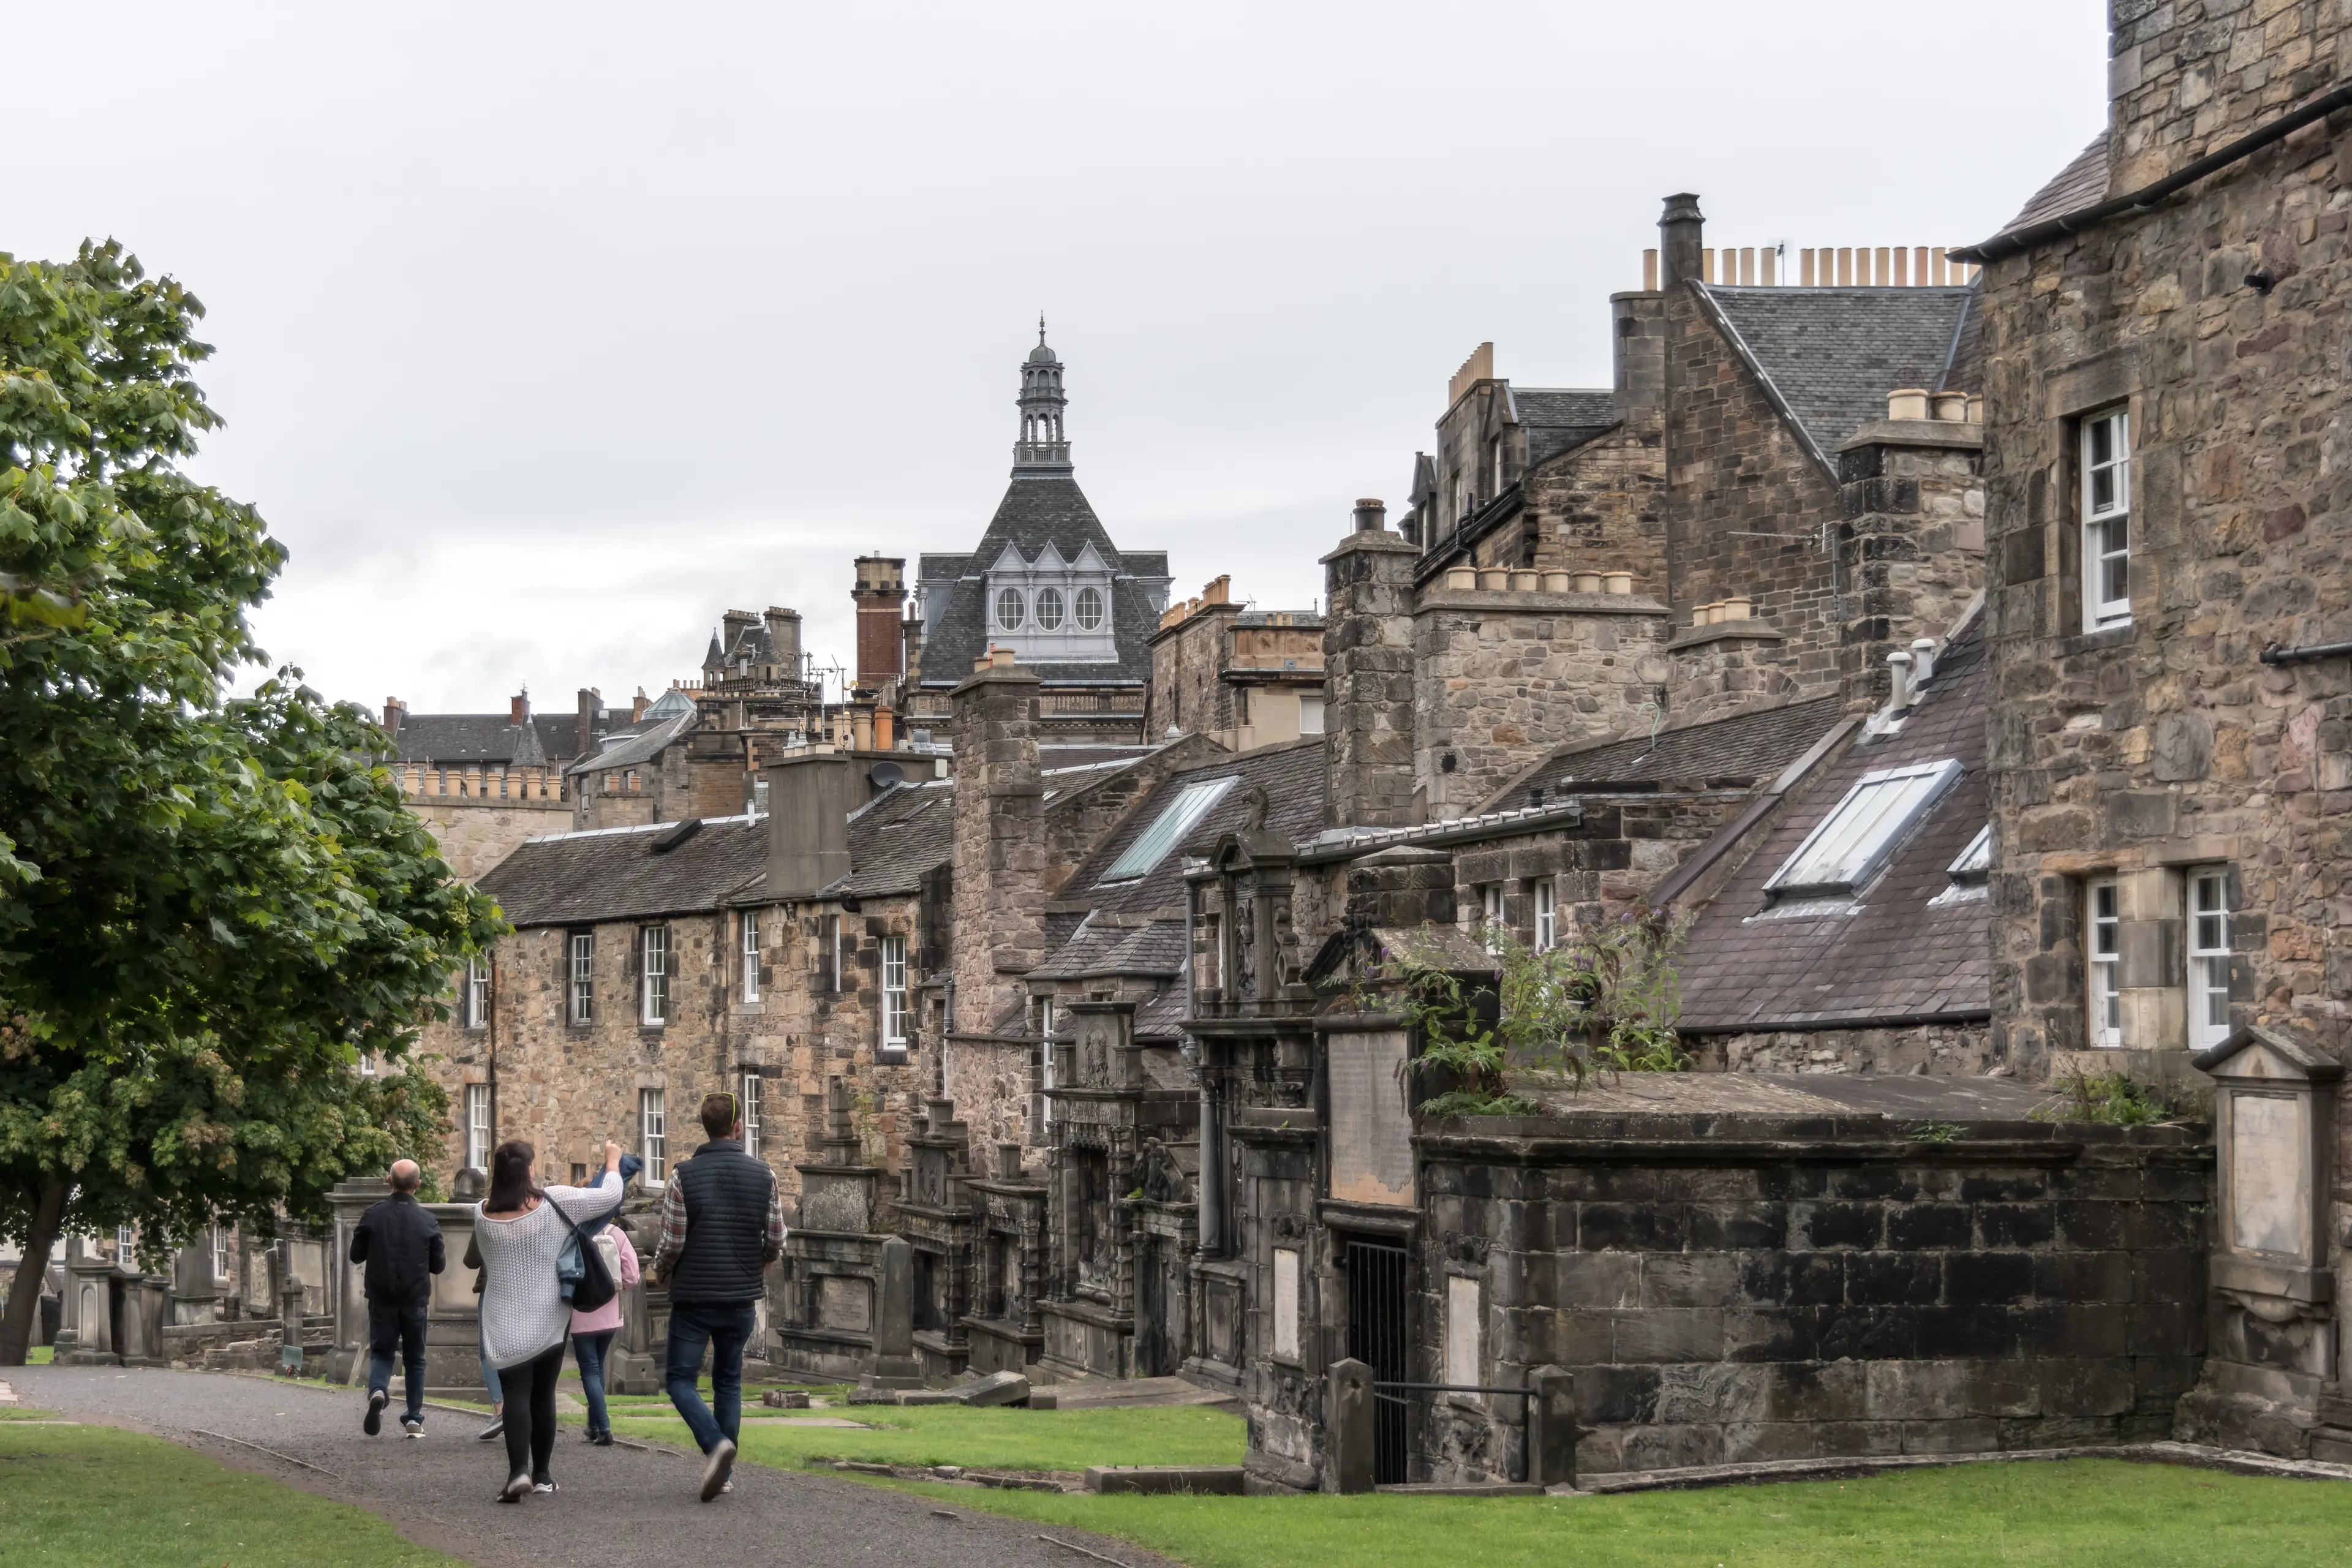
525, 1319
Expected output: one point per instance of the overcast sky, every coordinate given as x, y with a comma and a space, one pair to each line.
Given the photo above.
549, 331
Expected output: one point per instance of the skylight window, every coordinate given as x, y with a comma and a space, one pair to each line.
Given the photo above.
1182, 814
1975, 863
1856, 840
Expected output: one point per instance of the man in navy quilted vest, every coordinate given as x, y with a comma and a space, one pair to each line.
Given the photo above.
721, 1226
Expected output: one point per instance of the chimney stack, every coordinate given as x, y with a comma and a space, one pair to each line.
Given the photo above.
1681, 232
637, 706
519, 708
999, 930
590, 704
394, 710
784, 632
1367, 679
811, 793
880, 595
1371, 515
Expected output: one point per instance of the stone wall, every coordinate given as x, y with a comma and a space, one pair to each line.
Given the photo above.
474, 835
2184, 79
1748, 509
1745, 1290
2143, 748
1601, 866
1188, 657
1911, 550
1502, 679
1944, 1049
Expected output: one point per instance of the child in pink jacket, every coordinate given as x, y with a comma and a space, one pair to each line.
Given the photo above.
591, 1332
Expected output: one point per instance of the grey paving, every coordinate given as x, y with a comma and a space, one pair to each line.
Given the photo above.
616, 1504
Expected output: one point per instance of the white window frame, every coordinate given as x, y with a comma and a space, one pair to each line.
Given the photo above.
835, 937
893, 994
1049, 599
749, 1106
478, 1126
1490, 916
750, 923
1019, 617
653, 1134
2103, 961
478, 992
367, 1064
2206, 893
1090, 606
1546, 901
653, 976
579, 974
220, 1252
2106, 517
1851, 843
1310, 713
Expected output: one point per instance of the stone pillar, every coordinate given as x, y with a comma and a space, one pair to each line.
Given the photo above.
1368, 640
1551, 1427
999, 843
89, 1311
195, 1293
894, 1365
1348, 1427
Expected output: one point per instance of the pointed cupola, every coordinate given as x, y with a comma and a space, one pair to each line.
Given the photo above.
1044, 446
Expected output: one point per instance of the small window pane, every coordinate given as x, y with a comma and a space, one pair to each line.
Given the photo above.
1049, 608
1862, 834
2105, 945
2209, 958
1009, 609
1090, 609
653, 1124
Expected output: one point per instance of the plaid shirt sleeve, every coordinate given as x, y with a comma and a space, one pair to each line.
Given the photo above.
670, 1243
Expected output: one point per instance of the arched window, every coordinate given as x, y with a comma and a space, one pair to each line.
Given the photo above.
1009, 608
1090, 609
1049, 608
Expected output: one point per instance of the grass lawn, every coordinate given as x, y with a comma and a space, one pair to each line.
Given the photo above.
981, 1439
2069, 1515
94, 1494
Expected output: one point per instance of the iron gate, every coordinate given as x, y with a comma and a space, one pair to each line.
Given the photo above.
1377, 1337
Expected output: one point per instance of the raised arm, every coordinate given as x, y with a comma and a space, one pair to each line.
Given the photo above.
601, 1197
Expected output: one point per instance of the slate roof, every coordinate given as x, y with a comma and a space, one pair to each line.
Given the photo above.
899, 838
1559, 418
1737, 752
1038, 507
1291, 778
1833, 354
2081, 184
484, 737
617, 874
1891, 952
635, 748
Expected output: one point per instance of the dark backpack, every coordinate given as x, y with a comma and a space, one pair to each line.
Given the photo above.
580, 1272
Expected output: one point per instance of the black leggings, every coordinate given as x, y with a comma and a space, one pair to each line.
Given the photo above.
530, 1411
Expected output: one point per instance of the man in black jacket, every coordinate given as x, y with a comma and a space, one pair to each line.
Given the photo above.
400, 1243
721, 1225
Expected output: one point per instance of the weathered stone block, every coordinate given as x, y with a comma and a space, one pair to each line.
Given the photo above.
1672, 1334
1689, 1279
1893, 1279
1608, 1279
2086, 1388
1916, 1390
1945, 1437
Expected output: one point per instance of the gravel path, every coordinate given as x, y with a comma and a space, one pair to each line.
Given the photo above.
616, 1504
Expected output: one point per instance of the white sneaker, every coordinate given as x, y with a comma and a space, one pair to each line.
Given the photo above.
715, 1469
413, 1428
726, 1487
542, 1486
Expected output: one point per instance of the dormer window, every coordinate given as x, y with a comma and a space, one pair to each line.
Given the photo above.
1010, 609
1090, 609
1053, 609
1854, 842
1049, 609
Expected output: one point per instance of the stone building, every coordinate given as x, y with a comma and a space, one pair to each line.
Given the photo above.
2167, 621
1245, 677
483, 783
1046, 583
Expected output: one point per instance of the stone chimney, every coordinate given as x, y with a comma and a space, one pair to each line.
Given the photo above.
784, 631
1910, 554
1368, 677
880, 595
590, 704
394, 710
1000, 840
519, 708
637, 705
910, 637
810, 796
1638, 347
1681, 232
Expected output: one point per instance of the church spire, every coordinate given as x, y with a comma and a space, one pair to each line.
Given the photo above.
1043, 447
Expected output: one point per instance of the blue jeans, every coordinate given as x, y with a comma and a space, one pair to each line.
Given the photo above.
588, 1350
398, 1324
726, 1330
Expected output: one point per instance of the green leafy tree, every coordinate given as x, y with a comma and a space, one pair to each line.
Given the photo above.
210, 910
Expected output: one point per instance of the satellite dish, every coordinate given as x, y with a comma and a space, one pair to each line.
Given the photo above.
885, 775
